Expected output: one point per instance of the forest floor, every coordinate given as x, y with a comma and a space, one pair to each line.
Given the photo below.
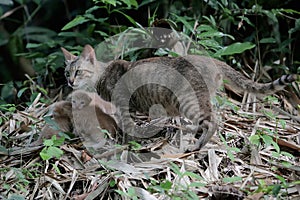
254, 155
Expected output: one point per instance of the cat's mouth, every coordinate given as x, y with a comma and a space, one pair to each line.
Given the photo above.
74, 87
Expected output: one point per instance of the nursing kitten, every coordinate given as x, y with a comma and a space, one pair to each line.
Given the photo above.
89, 119
183, 86
62, 114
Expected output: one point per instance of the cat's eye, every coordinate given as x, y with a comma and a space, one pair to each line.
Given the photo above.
78, 72
67, 74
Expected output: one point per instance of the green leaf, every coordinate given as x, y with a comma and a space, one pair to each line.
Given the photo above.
284, 153
268, 40
268, 140
197, 184
282, 179
254, 139
166, 185
78, 20
42, 90
15, 197
48, 143
44, 154
235, 48
56, 168
192, 175
58, 142
33, 45
135, 145
111, 2
55, 152
21, 91
127, 16
112, 183
130, 3
282, 123
276, 190
232, 179
186, 24
275, 154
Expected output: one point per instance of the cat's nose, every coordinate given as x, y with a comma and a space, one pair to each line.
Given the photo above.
71, 82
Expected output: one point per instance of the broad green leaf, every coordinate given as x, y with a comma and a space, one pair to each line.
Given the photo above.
235, 48
268, 140
166, 185
276, 146
78, 20
33, 45
276, 189
94, 8
44, 155
210, 44
205, 27
48, 143
185, 22
21, 91
58, 142
130, 3
55, 152
268, 40
254, 139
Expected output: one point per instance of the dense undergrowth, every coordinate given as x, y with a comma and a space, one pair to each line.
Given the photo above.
255, 153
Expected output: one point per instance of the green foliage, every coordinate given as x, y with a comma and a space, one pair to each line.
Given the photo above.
232, 179
51, 148
224, 29
235, 31
230, 150
181, 188
134, 145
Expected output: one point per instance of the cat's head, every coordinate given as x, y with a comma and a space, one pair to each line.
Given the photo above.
79, 99
81, 71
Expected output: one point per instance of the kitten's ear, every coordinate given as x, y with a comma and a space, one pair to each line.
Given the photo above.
88, 53
67, 105
68, 56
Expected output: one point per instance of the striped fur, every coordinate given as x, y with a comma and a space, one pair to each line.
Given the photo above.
183, 86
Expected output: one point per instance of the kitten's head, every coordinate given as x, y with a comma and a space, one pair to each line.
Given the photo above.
81, 71
62, 109
80, 99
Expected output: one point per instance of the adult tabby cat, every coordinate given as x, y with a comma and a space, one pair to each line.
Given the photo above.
183, 86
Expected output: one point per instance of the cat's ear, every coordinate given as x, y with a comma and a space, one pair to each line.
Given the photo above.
68, 56
88, 53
